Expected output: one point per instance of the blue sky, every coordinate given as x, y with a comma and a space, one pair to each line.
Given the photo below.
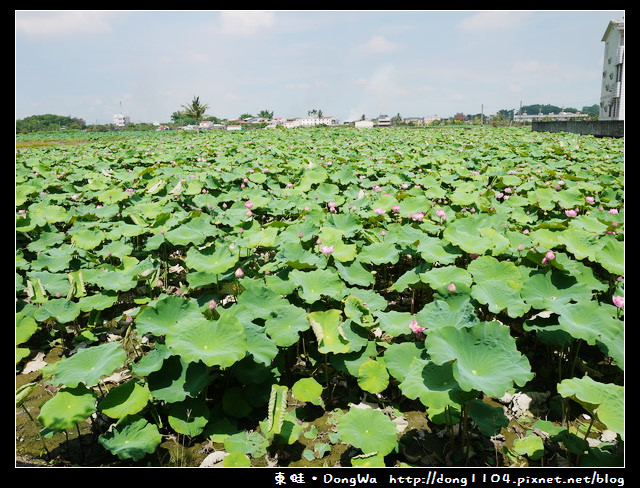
90, 63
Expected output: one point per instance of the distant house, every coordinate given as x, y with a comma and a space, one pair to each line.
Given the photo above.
312, 121
384, 121
234, 127
363, 124
612, 91
120, 120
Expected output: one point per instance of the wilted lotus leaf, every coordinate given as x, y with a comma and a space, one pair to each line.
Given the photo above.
167, 312
485, 357
369, 430
125, 399
215, 343
189, 417
131, 438
605, 400
327, 326
87, 365
68, 407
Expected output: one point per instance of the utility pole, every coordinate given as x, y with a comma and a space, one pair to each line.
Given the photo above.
482, 114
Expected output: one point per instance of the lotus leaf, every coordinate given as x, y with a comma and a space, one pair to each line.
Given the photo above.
373, 376
455, 312
220, 343
355, 273
379, 253
161, 317
177, 379
87, 365
605, 400
432, 384
188, 417
307, 390
253, 444
285, 323
530, 445
485, 357
259, 344
327, 327
490, 419
314, 284
126, 399
131, 438
441, 278
68, 407
369, 430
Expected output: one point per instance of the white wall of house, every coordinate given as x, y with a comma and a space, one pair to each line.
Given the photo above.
612, 91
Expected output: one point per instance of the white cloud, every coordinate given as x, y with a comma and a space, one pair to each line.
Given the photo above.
246, 22
65, 22
492, 19
535, 68
379, 44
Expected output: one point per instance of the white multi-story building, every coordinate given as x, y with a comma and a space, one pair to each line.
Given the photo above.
120, 120
311, 121
612, 92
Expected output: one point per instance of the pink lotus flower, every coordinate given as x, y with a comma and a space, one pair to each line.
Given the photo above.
396, 208
326, 249
441, 213
248, 205
550, 255
590, 199
379, 211
570, 213
417, 216
239, 273
613, 211
415, 328
618, 301
452, 287
212, 304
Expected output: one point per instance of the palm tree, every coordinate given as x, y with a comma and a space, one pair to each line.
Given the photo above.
195, 110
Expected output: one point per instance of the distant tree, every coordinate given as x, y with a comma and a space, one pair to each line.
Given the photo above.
49, 122
195, 109
396, 119
265, 114
592, 111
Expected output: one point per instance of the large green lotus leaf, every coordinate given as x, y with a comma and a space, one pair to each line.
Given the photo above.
440, 278
485, 357
370, 298
350, 362
355, 273
87, 365
369, 430
194, 231
432, 384
25, 327
547, 238
464, 233
499, 243
489, 268
220, 343
589, 223
151, 361
259, 237
307, 390
611, 255
214, 259
55, 259
253, 443
399, 355
379, 253
165, 314
126, 399
435, 250
408, 278
570, 197
177, 379
489, 419
314, 284
68, 407
394, 323
112, 195
111, 280
117, 248
259, 344
295, 256
455, 312
501, 295
544, 289
42, 213
260, 299
327, 327
605, 400
285, 323
99, 301
581, 243
131, 438
544, 198
347, 224
123, 229
344, 252
373, 376
188, 417
595, 324
46, 241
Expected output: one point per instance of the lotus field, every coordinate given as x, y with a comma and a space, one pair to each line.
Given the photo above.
328, 297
